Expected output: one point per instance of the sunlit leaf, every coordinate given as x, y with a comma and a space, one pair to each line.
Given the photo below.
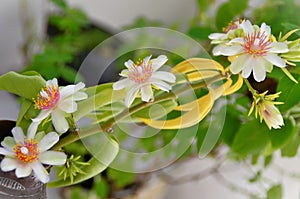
275, 192
196, 111
97, 164
26, 85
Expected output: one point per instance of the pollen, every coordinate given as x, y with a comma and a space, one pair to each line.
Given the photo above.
47, 98
256, 44
28, 151
140, 72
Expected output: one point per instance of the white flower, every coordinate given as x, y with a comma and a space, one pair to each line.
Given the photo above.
141, 76
255, 51
265, 107
230, 32
26, 154
56, 102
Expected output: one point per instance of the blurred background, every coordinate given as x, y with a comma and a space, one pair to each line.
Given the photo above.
51, 36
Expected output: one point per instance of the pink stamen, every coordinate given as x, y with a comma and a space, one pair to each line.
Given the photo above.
257, 44
140, 72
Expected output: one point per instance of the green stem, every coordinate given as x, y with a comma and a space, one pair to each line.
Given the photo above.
104, 127
251, 89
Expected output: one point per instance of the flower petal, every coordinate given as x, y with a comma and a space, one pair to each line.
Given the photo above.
217, 36
238, 64
42, 115
278, 47
275, 60
247, 27
18, 134
32, 129
231, 50
165, 76
129, 64
259, 72
53, 158
59, 121
6, 152
9, 164
265, 29
161, 85
121, 84
8, 143
23, 171
159, 62
40, 172
48, 141
79, 96
146, 93
268, 66
131, 95
68, 105
70, 90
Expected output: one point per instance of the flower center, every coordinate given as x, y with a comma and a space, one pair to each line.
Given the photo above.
257, 44
27, 152
140, 72
47, 98
232, 26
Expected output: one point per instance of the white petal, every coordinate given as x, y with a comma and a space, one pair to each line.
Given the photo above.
79, 96
238, 40
70, 90
165, 76
131, 95
59, 122
268, 66
161, 85
48, 141
238, 64
218, 49
275, 60
278, 47
247, 27
40, 172
259, 72
159, 62
32, 129
231, 50
217, 36
18, 134
265, 29
68, 105
146, 93
121, 84
42, 115
8, 143
9, 164
129, 64
247, 66
53, 158
6, 152
23, 171
52, 82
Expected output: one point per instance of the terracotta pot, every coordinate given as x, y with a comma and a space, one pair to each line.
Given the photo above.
12, 187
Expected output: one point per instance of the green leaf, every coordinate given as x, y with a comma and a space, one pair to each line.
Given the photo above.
252, 138
69, 74
279, 137
26, 105
101, 187
229, 131
291, 147
289, 93
228, 11
60, 3
275, 192
26, 85
98, 96
120, 178
97, 164
200, 33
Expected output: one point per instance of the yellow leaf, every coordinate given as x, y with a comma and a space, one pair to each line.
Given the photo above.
195, 64
289, 75
196, 110
198, 75
238, 84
